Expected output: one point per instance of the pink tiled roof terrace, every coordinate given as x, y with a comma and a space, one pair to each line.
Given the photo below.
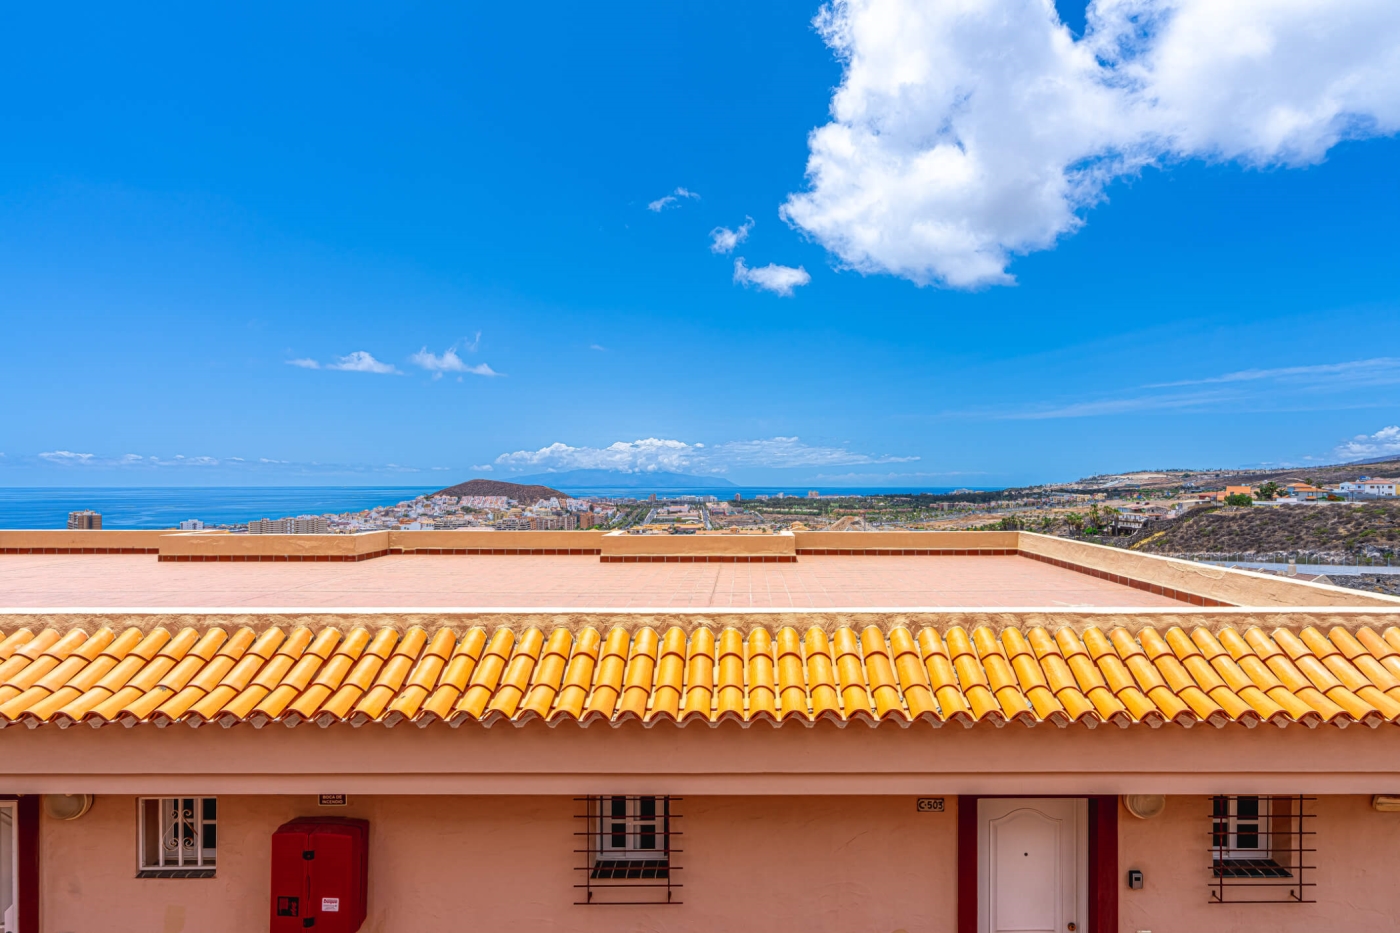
99, 581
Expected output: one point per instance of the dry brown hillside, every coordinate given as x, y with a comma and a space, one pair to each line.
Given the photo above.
1335, 531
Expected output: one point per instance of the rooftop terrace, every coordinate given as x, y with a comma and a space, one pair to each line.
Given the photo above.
565, 582
583, 571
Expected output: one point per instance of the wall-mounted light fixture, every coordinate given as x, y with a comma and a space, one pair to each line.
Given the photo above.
67, 806
1135, 879
1145, 806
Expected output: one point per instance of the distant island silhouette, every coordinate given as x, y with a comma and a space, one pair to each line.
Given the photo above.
616, 479
495, 487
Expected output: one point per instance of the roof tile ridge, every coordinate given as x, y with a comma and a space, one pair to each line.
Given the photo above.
518, 672
484, 678
952, 702
1001, 677
761, 681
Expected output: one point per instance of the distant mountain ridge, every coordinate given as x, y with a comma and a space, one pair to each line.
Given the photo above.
614, 479
495, 487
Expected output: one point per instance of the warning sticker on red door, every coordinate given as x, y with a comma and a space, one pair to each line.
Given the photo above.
330, 905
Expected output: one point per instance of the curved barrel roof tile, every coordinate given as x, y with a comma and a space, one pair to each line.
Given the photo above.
902, 673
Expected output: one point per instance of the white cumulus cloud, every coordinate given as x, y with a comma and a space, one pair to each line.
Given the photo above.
1365, 446
362, 362
449, 362
652, 454
780, 280
640, 456
672, 200
723, 240
965, 132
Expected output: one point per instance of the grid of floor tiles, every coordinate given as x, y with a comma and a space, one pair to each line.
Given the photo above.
501, 581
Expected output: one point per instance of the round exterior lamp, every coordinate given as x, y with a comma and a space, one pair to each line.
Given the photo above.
67, 806
1145, 806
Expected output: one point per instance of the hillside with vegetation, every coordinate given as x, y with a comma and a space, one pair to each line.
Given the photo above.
1335, 532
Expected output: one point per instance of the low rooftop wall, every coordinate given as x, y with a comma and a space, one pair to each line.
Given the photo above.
81, 542
495, 542
1199, 584
620, 547
906, 542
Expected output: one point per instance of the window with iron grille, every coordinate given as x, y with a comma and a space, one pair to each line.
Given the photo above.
629, 856
1261, 849
178, 837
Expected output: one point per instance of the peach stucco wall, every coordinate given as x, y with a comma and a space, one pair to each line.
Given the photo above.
1358, 888
698, 760
799, 864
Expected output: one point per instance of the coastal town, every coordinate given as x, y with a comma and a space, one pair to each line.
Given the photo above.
1318, 515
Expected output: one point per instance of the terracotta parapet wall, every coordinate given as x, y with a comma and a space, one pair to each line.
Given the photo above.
1184, 579
906, 542
495, 542
620, 547
202, 547
63, 541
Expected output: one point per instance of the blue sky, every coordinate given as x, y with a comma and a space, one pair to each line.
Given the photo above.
198, 205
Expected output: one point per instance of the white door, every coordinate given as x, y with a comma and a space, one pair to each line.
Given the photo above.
9, 868
1032, 871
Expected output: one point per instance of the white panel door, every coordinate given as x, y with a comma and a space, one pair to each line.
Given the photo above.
1032, 865
9, 868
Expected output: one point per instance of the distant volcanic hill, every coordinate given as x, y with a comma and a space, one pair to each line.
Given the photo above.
495, 487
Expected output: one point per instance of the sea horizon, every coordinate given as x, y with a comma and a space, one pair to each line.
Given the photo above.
140, 507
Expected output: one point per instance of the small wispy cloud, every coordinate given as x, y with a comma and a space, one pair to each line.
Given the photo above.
1365, 446
723, 240
598, 346
67, 457
1359, 369
1115, 406
304, 363
483, 468
672, 200
780, 280
70, 458
1280, 388
448, 362
361, 361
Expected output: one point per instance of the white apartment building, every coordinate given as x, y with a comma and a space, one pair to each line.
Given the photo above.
301, 525
1370, 487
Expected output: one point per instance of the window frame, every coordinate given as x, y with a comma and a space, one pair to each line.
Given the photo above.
1277, 867
176, 821
618, 871
10, 845
1228, 824
634, 826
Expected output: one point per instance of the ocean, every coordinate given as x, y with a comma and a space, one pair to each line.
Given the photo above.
166, 507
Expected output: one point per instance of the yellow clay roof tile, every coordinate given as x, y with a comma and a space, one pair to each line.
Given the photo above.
998, 673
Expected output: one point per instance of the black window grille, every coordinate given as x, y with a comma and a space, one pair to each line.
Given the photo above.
1261, 849
629, 851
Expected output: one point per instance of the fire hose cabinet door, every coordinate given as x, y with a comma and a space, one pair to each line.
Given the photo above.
320, 875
